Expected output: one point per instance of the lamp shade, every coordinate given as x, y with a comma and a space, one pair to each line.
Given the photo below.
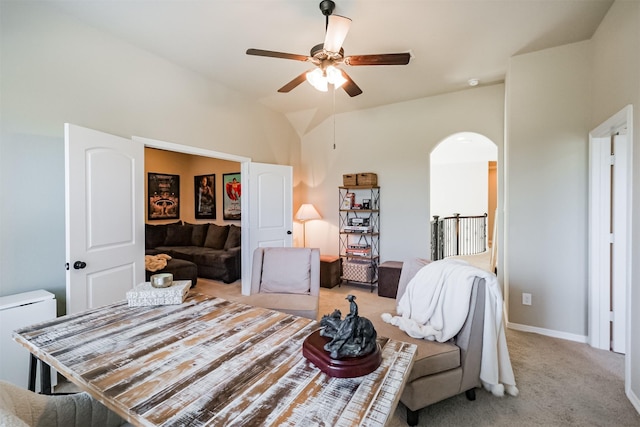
306, 212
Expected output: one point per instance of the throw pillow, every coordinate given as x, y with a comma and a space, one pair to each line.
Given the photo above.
178, 235
216, 236
286, 270
233, 240
199, 233
155, 235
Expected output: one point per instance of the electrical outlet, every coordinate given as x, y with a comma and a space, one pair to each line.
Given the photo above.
526, 299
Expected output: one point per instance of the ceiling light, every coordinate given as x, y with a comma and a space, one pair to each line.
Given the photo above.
320, 79
334, 76
473, 82
317, 79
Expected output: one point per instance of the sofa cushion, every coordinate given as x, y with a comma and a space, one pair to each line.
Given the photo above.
178, 235
431, 356
155, 235
199, 234
286, 271
233, 239
216, 236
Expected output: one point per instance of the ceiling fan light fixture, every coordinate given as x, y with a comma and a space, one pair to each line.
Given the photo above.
318, 80
334, 76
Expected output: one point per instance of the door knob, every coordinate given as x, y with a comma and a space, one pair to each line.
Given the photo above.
79, 265
288, 231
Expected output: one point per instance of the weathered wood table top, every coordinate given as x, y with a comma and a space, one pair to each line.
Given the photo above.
210, 361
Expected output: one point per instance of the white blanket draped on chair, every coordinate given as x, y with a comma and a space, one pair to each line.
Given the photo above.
435, 307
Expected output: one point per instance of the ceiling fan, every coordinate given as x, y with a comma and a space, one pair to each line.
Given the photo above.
328, 55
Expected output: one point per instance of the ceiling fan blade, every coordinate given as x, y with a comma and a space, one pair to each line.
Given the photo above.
381, 59
350, 86
272, 54
293, 83
337, 29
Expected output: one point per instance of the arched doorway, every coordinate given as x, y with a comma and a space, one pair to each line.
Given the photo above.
464, 178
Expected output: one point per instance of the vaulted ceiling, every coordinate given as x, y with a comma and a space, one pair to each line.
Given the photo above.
451, 41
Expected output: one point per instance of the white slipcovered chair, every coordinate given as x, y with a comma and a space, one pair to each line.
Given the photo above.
287, 280
23, 408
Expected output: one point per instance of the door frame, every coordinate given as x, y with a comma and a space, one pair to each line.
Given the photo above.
622, 119
244, 201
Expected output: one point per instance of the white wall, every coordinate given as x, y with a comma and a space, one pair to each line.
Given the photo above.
394, 141
54, 70
460, 175
459, 188
616, 83
546, 145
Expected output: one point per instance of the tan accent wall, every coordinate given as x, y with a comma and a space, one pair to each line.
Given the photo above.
188, 166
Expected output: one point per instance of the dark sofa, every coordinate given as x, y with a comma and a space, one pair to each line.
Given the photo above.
215, 249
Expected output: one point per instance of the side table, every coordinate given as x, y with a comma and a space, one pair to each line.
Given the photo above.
388, 278
329, 271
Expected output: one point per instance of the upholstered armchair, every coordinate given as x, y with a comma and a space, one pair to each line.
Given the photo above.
23, 408
440, 370
287, 280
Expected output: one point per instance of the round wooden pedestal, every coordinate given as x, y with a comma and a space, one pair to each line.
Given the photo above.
349, 367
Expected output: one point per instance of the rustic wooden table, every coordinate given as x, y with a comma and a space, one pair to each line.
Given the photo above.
210, 361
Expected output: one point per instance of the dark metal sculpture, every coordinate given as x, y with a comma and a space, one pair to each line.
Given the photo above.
352, 336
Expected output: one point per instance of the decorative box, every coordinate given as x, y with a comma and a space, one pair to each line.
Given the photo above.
144, 294
357, 271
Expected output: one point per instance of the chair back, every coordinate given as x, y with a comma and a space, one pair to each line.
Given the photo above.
286, 271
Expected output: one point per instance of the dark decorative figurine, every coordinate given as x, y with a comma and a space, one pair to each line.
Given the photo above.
354, 336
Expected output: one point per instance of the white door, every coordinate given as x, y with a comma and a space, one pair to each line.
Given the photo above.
621, 233
609, 242
104, 214
270, 212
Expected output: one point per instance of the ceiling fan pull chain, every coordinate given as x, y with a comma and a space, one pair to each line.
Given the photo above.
334, 117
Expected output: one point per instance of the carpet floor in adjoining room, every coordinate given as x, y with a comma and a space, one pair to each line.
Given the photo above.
561, 383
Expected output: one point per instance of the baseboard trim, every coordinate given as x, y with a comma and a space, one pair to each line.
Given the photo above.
549, 332
635, 401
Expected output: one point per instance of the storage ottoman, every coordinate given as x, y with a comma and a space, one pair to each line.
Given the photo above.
388, 278
329, 271
181, 270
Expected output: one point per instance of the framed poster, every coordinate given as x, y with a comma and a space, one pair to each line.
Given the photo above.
164, 196
231, 197
205, 196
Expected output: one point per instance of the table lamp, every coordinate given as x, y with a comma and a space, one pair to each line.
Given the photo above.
306, 212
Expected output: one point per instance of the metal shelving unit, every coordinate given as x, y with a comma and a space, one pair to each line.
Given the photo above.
359, 224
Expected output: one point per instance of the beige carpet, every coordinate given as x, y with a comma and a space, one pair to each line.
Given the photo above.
562, 383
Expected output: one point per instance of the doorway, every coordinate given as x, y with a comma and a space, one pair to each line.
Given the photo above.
464, 179
610, 181
244, 171
266, 187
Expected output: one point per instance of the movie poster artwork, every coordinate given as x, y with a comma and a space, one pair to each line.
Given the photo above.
164, 196
231, 198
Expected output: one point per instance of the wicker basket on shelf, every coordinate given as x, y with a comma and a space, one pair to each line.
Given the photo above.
367, 178
349, 180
